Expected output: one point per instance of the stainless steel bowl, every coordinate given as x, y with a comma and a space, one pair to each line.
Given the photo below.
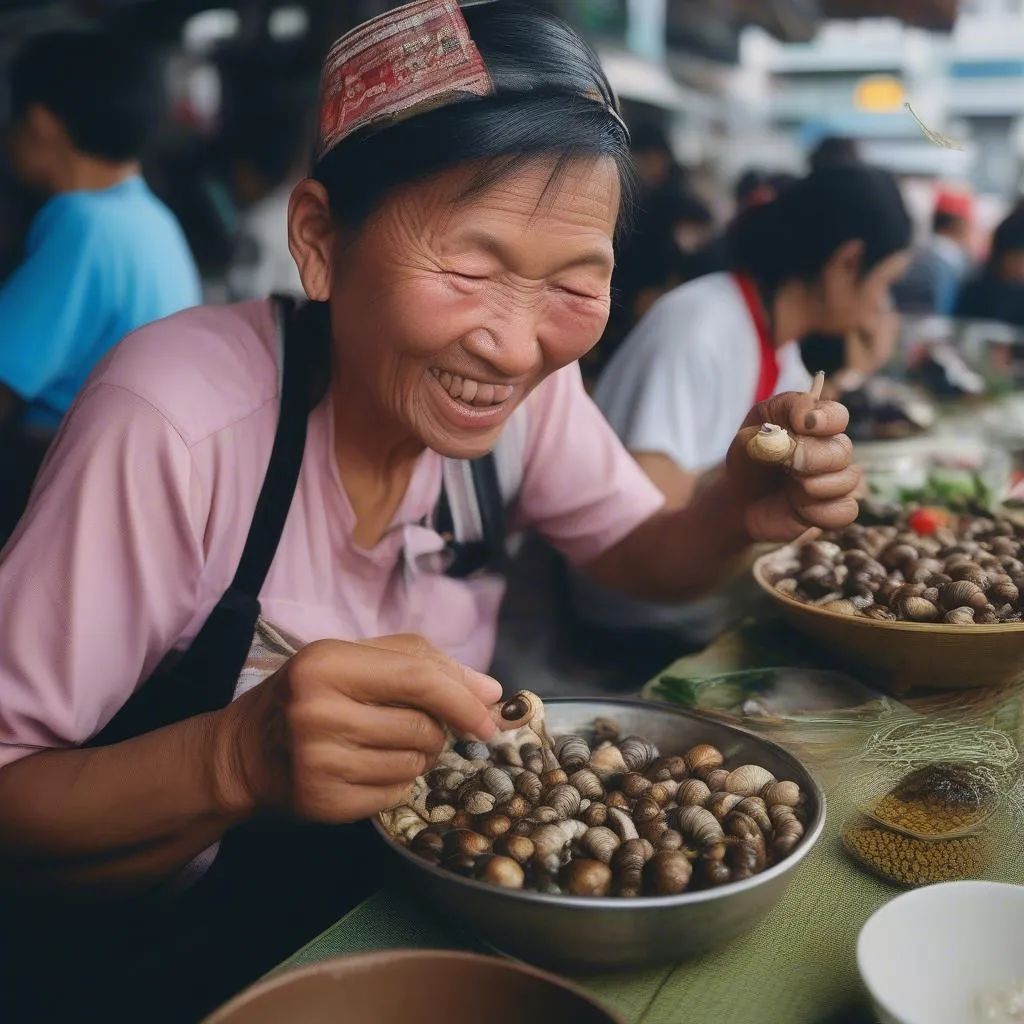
572, 933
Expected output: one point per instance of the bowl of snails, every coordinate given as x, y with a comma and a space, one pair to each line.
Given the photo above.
938, 607
613, 833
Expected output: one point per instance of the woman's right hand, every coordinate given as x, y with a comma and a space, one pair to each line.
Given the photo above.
343, 729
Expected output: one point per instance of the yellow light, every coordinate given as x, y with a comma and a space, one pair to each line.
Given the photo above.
879, 94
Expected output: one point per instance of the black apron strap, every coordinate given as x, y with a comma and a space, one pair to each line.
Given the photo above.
205, 677
488, 552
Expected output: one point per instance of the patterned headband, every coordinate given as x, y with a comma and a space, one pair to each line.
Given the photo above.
402, 63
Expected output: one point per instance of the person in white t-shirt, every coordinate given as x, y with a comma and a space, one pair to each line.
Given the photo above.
822, 256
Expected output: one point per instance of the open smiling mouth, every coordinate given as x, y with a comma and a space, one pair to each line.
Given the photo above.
475, 393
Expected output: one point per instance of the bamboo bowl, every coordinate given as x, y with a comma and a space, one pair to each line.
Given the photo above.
907, 655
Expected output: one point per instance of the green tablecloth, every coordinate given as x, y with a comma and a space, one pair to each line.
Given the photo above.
797, 967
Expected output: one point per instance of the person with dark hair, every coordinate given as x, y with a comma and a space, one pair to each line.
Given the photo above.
266, 154
834, 151
941, 264
208, 507
103, 256
820, 257
997, 291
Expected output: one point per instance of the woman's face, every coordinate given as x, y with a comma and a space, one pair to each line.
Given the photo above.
448, 311
851, 300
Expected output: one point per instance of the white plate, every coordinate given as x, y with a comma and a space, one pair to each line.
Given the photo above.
928, 956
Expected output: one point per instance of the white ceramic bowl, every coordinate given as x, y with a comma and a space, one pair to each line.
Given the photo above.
928, 955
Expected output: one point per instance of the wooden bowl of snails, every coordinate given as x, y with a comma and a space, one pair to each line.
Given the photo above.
964, 647
601, 932
425, 986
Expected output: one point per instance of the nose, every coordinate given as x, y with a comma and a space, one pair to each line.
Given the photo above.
510, 345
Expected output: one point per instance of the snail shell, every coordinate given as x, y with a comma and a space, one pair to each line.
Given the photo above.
916, 609
546, 815
608, 761
441, 813
473, 750
494, 825
552, 778
755, 809
637, 752
528, 784
440, 797
670, 839
572, 753
693, 792
587, 783
771, 446
840, 607
1003, 593
478, 802
785, 793
880, 614
464, 841
565, 799
788, 833
721, 803
519, 848
819, 552
780, 814
633, 784
664, 792
715, 779
498, 783
959, 617
704, 757
667, 873
628, 863
549, 842
652, 830
748, 780
600, 843
606, 730
647, 810
743, 827
595, 815
714, 871
896, 556
533, 760
586, 877
503, 871
520, 709
700, 826
622, 823
403, 823
517, 806
667, 769
460, 864
428, 845
961, 594
616, 798
746, 859
986, 617
508, 754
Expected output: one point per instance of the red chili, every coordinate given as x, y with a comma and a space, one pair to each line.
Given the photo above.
926, 521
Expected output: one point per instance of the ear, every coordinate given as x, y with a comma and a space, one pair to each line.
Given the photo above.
311, 238
848, 258
43, 125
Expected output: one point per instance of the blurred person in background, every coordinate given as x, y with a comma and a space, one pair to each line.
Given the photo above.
267, 154
996, 292
940, 266
834, 151
822, 256
103, 255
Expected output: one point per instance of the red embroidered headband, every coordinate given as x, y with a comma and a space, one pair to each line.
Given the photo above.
399, 64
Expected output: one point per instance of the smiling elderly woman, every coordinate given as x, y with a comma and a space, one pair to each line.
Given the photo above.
455, 243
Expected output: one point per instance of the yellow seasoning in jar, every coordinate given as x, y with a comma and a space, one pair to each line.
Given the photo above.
907, 860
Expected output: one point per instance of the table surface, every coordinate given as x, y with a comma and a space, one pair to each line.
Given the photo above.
798, 966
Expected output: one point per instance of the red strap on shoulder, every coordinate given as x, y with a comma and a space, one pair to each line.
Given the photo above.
768, 373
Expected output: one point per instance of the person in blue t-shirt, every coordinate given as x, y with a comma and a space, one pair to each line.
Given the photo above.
103, 255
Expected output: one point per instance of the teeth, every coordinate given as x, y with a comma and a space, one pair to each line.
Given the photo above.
473, 392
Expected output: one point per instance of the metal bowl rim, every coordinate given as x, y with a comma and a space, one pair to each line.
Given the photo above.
634, 903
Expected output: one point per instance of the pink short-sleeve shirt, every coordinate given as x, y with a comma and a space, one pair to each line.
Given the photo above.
140, 514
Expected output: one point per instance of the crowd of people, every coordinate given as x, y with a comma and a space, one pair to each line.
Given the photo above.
336, 470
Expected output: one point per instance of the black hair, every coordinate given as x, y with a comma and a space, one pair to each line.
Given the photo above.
794, 236
1008, 237
834, 151
682, 206
748, 183
542, 71
106, 91
942, 220
649, 137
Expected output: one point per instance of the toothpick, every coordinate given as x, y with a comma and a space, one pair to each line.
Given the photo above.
934, 137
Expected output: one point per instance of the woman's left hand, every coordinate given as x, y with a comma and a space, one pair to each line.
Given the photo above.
817, 488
